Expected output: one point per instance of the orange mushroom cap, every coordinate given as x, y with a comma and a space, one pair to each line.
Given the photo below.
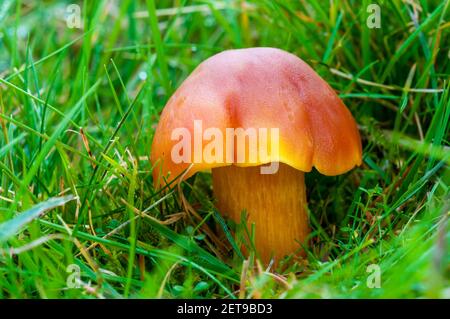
261, 88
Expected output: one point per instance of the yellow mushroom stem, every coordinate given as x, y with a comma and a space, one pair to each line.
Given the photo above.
275, 203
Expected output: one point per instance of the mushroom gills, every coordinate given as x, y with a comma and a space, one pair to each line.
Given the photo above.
275, 203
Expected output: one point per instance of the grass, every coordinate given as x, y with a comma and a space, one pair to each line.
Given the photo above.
78, 109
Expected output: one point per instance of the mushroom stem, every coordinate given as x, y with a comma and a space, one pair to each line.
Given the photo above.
275, 203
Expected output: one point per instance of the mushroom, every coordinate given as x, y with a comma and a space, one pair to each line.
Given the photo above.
256, 89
